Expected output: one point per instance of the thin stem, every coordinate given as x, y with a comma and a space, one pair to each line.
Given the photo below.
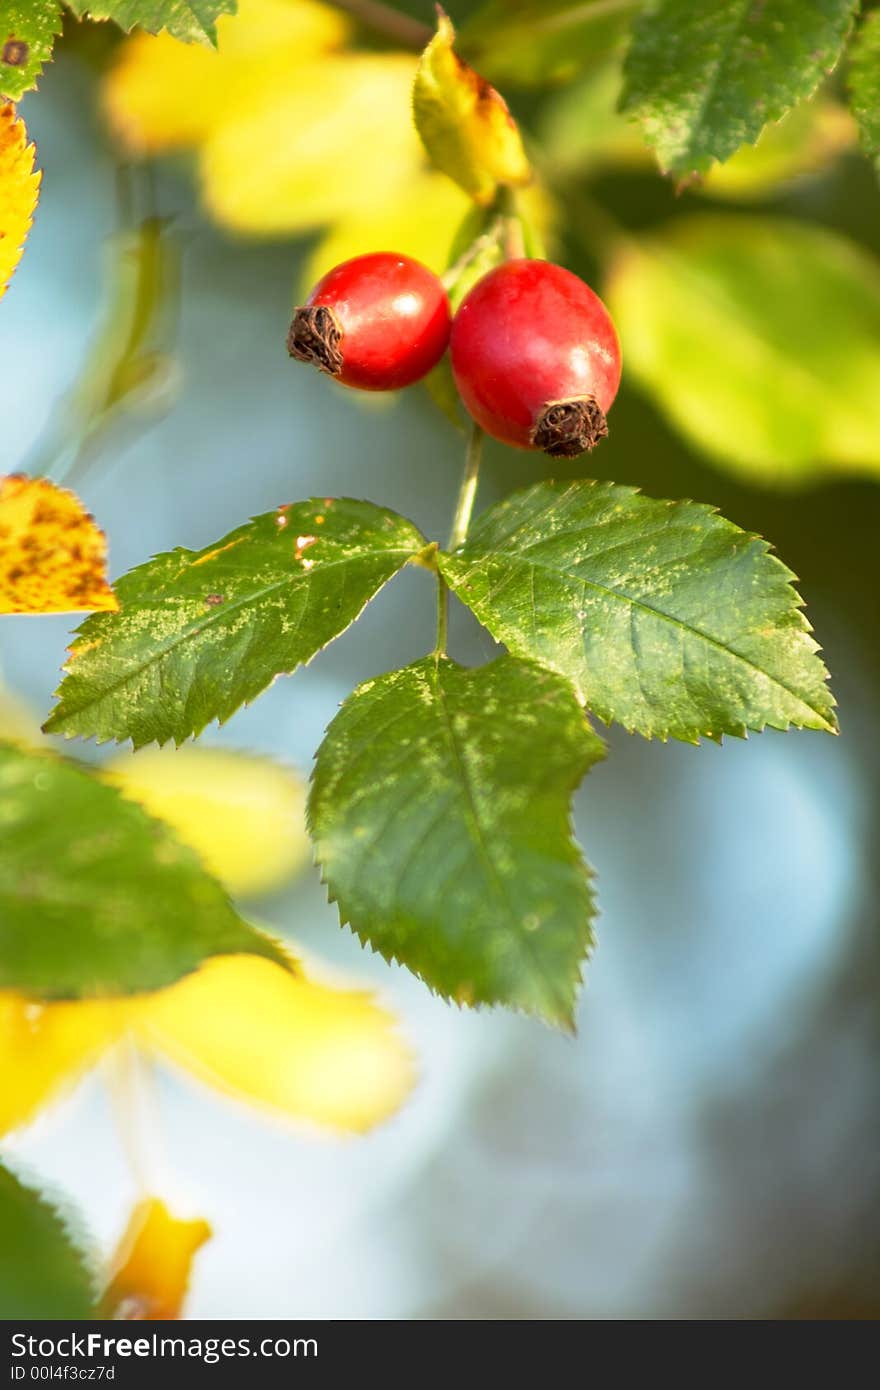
464, 507
134, 1107
403, 30
468, 490
476, 248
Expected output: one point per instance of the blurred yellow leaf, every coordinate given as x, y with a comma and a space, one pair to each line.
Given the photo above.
52, 555
464, 123
18, 722
299, 1048
347, 145
164, 94
19, 188
45, 1049
152, 1266
243, 815
758, 339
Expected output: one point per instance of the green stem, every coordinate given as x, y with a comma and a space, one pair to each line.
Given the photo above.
458, 535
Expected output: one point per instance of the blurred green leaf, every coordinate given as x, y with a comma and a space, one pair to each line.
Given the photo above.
27, 36
464, 124
184, 19
97, 897
582, 130
202, 632
44, 1273
758, 339
705, 78
667, 618
440, 813
533, 42
864, 83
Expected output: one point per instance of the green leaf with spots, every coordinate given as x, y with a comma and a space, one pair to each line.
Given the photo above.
758, 339
200, 633
704, 79
97, 897
665, 617
184, 19
864, 83
43, 1271
439, 808
27, 36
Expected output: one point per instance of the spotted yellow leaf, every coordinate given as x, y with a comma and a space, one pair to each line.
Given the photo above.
52, 555
243, 815
152, 1266
464, 123
19, 187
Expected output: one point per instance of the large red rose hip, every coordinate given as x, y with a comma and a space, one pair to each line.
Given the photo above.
377, 322
536, 358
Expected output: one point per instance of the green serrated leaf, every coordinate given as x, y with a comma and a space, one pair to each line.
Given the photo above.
184, 19
43, 1272
666, 618
758, 338
97, 897
200, 633
864, 83
27, 35
532, 42
704, 79
439, 808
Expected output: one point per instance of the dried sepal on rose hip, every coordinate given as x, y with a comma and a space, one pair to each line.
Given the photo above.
536, 359
377, 322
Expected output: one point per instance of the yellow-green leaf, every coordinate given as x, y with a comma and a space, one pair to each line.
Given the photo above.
758, 340
464, 123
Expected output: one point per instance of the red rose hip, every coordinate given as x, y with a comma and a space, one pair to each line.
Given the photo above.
377, 322
535, 358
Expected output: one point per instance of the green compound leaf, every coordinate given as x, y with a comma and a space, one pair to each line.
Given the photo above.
97, 897
439, 808
27, 35
666, 618
43, 1272
864, 84
191, 20
705, 78
758, 339
199, 633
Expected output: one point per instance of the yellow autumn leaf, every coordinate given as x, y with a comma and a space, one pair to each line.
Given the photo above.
164, 94
464, 123
348, 145
151, 1268
423, 226
45, 1049
308, 1052
243, 815
52, 555
282, 1042
19, 188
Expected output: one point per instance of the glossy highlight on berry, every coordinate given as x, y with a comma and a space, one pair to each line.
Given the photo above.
536, 358
378, 322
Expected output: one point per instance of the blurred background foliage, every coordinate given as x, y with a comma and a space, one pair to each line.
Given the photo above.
708, 1146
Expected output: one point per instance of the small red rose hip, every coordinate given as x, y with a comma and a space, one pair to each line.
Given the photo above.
377, 322
535, 358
